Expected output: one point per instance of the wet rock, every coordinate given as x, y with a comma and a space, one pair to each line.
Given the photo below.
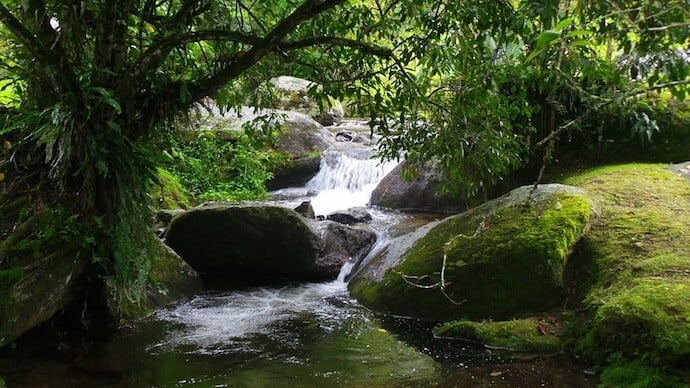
238, 245
295, 173
350, 216
306, 210
422, 193
342, 243
349, 136
288, 194
328, 118
233, 245
501, 259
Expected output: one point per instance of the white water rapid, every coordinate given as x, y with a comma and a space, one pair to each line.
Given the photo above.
346, 179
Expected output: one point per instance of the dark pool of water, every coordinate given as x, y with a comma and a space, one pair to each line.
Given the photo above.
310, 335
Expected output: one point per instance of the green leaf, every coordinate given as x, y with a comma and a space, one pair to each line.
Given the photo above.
547, 37
564, 23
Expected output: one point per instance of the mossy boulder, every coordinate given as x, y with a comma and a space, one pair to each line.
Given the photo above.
230, 244
235, 245
169, 192
632, 270
34, 293
170, 279
496, 261
535, 335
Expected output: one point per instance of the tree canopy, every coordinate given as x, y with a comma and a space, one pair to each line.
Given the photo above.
475, 84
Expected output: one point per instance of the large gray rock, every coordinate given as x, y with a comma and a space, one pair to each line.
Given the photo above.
302, 140
245, 244
342, 243
293, 95
38, 292
423, 193
354, 215
300, 136
234, 245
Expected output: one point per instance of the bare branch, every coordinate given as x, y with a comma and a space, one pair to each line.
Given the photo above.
667, 27
337, 41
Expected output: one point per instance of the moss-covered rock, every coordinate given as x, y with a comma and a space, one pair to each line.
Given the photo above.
34, 294
639, 374
170, 279
523, 335
238, 245
636, 293
496, 261
169, 192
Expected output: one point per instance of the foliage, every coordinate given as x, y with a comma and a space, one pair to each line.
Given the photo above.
488, 106
99, 83
638, 375
216, 167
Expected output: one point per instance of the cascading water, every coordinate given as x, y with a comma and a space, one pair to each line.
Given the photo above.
306, 335
346, 179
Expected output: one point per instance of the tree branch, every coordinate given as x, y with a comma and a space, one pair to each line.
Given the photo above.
337, 41
551, 136
54, 64
309, 9
154, 56
25, 37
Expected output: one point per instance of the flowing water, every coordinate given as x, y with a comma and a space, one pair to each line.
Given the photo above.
303, 335
346, 180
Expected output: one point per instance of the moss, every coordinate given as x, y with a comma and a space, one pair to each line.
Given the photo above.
650, 320
8, 278
500, 261
639, 375
637, 300
524, 335
169, 193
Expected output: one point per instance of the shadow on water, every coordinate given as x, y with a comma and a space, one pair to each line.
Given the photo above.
463, 364
299, 336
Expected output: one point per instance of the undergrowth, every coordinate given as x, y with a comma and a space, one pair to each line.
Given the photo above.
227, 166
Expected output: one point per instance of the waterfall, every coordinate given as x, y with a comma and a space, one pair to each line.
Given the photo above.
345, 271
346, 179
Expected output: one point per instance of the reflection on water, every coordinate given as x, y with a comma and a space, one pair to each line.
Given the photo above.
309, 335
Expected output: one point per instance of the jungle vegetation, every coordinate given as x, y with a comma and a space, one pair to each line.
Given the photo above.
91, 89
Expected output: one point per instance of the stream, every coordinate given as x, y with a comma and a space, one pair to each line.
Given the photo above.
301, 335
